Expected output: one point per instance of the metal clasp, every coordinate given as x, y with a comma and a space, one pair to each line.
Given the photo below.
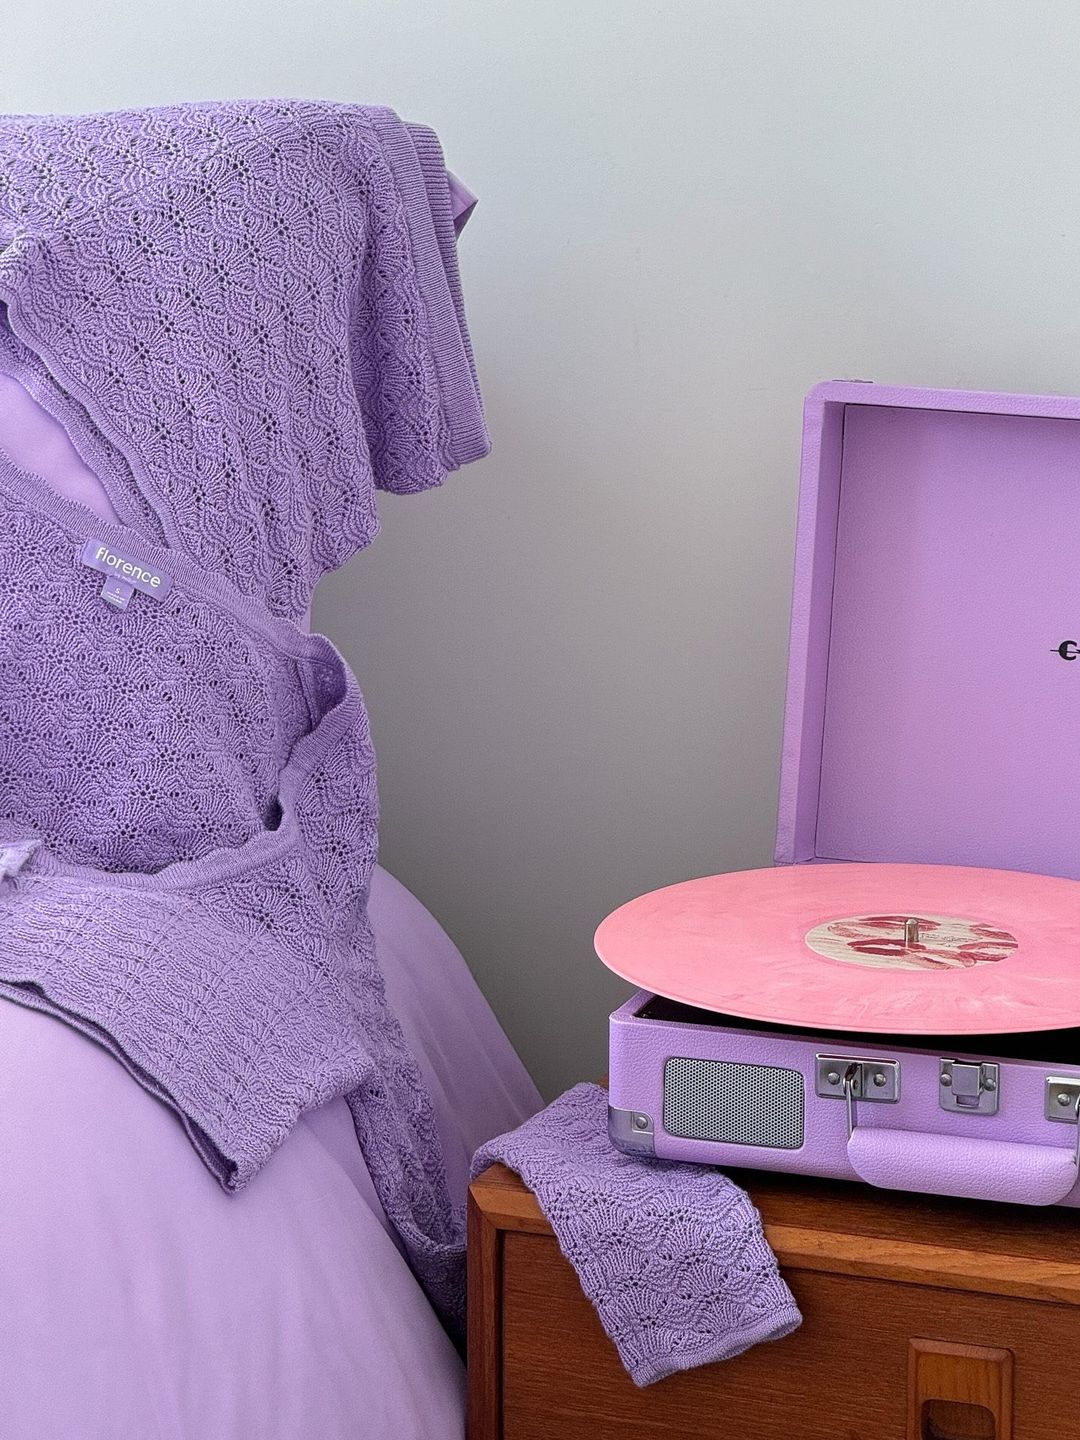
1063, 1104
850, 1078
969, 1087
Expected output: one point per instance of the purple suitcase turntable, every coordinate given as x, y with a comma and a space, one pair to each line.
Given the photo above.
896, 1020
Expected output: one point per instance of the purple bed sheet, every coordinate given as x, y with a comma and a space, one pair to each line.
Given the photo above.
139, 1300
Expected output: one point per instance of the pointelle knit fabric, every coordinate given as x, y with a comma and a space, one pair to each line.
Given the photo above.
166, 891
247, 317
256, 306
133, 741
673, 1256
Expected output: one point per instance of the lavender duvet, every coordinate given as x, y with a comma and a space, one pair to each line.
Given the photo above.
138, 1298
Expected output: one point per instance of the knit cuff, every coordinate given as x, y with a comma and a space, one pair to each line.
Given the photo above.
415, 156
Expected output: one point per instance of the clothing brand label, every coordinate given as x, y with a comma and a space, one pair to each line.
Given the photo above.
123, 574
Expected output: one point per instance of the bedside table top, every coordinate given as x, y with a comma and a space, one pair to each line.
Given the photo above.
851, 1229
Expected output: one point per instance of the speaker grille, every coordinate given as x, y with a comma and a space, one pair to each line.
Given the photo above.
735, 1104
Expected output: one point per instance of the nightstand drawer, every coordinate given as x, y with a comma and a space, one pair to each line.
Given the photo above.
922, 1321
844, 1374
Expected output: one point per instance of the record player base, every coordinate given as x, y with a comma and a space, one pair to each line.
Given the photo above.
924, 1319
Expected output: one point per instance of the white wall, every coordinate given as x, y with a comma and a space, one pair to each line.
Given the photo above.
574, 653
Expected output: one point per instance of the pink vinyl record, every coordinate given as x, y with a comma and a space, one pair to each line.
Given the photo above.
896, 949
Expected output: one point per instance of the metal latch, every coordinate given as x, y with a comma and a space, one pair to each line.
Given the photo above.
870, 1080
850, 1078
969, 1087
1063, 1103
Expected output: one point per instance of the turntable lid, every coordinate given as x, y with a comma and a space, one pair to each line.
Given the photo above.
933, 710
899, 949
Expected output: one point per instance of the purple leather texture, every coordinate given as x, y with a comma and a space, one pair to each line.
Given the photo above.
962, 1165
639, 1050
928, 709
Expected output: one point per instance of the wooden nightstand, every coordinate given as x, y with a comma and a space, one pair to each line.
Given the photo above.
923, 1320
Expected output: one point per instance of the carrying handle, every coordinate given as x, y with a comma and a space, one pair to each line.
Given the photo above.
961, 1165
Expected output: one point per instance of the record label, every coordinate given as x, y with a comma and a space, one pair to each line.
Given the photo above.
911, 942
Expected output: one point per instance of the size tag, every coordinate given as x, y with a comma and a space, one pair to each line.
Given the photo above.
117, 593
123, 576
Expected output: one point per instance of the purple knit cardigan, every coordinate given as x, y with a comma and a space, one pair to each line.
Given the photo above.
248, 317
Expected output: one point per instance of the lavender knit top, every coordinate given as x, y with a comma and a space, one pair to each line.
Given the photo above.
248, 318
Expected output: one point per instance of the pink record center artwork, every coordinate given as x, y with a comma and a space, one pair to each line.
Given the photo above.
911, 942
908, 949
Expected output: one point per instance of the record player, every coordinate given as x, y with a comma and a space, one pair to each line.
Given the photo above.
898, 1001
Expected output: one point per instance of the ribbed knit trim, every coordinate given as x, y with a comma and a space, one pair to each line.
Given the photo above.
422, 416
440, 201
23, 365
419, 174
673, 1256
780, 1323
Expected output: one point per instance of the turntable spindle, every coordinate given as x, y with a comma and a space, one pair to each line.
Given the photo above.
911, 932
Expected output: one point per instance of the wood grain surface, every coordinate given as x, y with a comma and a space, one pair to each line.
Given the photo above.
881, 1278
